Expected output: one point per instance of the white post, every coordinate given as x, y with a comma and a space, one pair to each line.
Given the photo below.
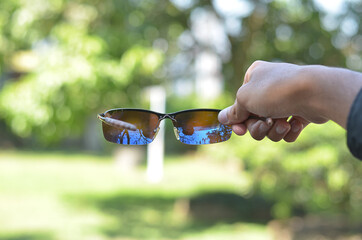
155, 150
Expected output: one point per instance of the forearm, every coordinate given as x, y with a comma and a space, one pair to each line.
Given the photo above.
333, 91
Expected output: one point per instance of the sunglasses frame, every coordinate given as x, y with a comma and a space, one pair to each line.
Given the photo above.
161, 116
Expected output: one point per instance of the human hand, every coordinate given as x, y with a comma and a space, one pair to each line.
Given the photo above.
269, 90
307, 94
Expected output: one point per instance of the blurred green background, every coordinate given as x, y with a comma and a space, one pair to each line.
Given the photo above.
64, 61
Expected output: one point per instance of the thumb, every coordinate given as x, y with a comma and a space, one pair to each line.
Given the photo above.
237, 113
233, 114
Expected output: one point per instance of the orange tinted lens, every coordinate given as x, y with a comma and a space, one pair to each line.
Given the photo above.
145, 122
201, 127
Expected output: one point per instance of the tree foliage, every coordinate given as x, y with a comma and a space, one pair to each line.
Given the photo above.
317, 174
62, 61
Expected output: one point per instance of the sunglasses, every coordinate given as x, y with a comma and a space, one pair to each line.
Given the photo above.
139, 127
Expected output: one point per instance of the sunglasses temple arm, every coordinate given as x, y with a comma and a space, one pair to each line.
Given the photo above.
268, 120
117, 123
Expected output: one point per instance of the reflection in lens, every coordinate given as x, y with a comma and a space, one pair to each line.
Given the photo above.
203, 135
201, 127
145, 122
125, 136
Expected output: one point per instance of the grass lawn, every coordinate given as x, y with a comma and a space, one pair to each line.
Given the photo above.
80, 196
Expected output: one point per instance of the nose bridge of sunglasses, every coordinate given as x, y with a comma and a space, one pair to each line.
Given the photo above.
173, 119
168, 116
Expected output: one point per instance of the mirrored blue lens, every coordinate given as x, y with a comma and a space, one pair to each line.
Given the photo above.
201, 127
204, 135
145, 122
126, 137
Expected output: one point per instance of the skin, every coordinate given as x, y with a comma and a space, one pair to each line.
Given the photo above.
282, 91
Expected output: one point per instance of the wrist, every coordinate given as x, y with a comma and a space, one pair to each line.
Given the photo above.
331, 92
306, 94
316, 96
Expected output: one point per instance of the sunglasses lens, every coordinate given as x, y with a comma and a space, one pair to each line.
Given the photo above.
201, 127
145, 122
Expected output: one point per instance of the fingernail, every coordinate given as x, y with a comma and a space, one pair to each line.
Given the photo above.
280, 129
263, 127
223, 118
295, 127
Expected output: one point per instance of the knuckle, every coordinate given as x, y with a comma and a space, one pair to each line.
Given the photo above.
251, 69
290, 137
289, 140
257, 131
275, 138
238, 100
241, 97
233, 113
256, 64
257, 135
